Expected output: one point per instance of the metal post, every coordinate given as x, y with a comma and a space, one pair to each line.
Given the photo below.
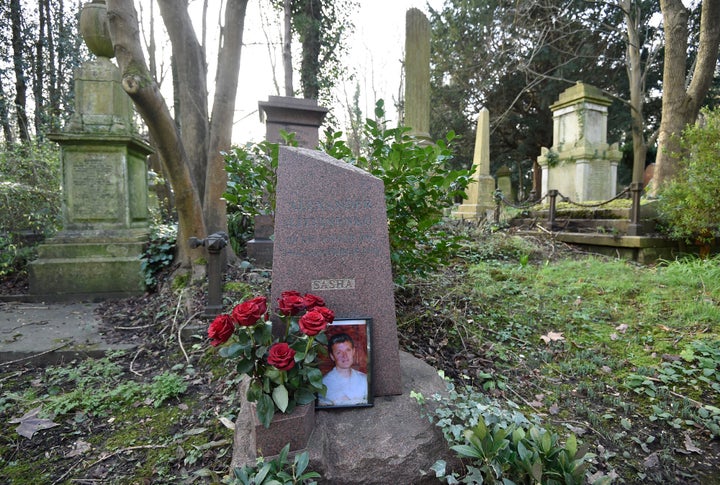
215, 243
552, 195
634, 228
498, 200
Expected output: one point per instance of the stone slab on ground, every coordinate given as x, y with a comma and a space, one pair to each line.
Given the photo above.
390, 442
51, 333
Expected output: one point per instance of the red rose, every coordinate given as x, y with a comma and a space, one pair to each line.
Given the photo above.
328, 314
312, 323
249, 312
281, 356
220, 329
290, 303
312, 301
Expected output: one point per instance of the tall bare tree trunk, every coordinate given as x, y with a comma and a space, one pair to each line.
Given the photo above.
636, 81
311, 40
53, 89
221, 122
680, 106
287, 49
39, 74
144, 92
189, 58
19, 66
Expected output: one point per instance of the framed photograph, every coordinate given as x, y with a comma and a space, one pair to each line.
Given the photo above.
347, 368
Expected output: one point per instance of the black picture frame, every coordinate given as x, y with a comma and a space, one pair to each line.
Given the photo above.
347, 391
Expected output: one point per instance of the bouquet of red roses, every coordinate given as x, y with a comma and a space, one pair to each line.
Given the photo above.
283, 369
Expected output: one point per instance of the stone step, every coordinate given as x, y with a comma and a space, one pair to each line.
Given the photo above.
564, 224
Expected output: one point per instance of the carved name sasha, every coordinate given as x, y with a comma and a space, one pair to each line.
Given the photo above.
333, 284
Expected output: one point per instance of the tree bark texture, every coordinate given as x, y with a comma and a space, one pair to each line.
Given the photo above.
680, 106
19, 67
189, 58
146, 96
310, 38
287, 47
221, 122
636, 83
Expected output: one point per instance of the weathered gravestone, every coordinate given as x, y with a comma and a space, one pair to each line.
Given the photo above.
417, 73
580, 164
480, 204
105, 204
302, 117
331, 239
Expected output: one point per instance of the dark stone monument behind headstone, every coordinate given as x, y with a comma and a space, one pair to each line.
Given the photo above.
302, 117
331, 239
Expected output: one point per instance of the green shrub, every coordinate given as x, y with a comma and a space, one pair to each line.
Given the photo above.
252, 176
501, 445
278, 471
30, 194
688, 205
159, 252
419, 185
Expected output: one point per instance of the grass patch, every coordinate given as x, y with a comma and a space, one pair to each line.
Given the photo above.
627, 356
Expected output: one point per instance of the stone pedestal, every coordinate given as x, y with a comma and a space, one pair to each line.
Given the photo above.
260, 248
480, 204
105, 218
105, 221
292, 115
504, 182
580, 164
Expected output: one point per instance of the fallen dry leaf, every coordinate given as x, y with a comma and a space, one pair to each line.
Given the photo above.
79, 448
31, 424
621, 328
552, 337
690, 446
226, 422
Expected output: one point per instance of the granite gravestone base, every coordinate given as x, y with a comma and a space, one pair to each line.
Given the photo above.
331, 239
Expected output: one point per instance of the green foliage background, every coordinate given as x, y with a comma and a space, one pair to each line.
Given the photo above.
420, 186
689, 205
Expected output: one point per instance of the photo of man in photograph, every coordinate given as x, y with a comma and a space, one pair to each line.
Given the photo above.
345, 385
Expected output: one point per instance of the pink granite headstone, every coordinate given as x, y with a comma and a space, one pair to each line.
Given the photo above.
331, 239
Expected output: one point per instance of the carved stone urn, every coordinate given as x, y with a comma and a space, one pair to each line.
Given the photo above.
94, 29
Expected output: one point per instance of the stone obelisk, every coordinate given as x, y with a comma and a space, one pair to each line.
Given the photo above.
417, 73
480, 205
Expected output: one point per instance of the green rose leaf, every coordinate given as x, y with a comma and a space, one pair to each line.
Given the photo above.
231, 351
254, 391
244, 366
304, 396
315, 377
280, 396
265, 410
260, 351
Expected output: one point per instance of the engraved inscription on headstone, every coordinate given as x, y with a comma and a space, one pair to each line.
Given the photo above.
333, 284
94, 188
